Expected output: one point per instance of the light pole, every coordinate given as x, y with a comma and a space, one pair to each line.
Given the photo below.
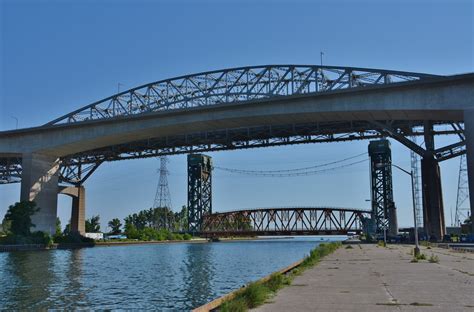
410, 173
16, 120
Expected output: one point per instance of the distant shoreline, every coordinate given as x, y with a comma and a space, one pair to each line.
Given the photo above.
34, 247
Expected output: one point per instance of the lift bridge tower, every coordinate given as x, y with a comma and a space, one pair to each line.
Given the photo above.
199, 190
383, 207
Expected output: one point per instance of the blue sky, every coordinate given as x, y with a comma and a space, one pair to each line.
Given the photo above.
57, 56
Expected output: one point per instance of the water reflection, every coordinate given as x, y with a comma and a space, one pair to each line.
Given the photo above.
29, 274
198, 272
153, 277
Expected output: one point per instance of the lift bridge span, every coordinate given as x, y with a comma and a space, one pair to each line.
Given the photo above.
285, 221
240, 108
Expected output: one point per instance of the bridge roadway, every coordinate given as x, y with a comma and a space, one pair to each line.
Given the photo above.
242, 108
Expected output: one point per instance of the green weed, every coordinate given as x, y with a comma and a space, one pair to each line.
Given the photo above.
433, 259
257, 293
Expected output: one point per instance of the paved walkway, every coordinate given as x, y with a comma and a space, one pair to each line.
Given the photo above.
371, 278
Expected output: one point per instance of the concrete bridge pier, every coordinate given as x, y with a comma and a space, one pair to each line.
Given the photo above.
39, 183
469, 134
78, 209
433, 209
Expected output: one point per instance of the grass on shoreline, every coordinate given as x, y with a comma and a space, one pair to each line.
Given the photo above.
257, 293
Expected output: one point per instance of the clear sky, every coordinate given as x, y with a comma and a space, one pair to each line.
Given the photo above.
57, 56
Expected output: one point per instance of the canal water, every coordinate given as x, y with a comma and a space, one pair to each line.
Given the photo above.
173, 277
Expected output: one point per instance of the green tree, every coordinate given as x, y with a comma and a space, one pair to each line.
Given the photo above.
93, 224
115, 225
6, 226
19, 215
58, 227
67, 228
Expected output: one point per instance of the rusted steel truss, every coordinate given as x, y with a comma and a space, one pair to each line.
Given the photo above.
285, 221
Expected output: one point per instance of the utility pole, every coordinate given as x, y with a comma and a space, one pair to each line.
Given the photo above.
415, 227
162, 196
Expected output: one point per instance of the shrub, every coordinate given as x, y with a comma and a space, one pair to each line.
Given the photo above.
187, 236
236, 305
33, 238
277, 281
425, 243
433, 259
72, 238
255, 294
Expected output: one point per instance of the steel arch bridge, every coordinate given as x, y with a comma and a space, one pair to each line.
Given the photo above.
244, 84
285, 221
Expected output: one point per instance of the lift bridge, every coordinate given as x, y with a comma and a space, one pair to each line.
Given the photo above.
285, 221
241, 108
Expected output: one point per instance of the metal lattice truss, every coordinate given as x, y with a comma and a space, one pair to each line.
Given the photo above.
233, 85
10, 170
199, 190
382, 191
75, 169
245, 84
285, 221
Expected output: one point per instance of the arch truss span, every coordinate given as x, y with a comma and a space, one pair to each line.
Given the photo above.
285, 221
232, 85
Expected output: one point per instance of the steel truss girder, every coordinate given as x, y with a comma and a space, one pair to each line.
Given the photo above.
10, 170
242, 138
285, 221
440, 154
75, 169
232, 85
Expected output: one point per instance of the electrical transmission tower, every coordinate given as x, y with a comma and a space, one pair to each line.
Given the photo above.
462, 200
162, 196
415, 169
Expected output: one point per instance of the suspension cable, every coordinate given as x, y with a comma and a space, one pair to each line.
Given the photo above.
295, 172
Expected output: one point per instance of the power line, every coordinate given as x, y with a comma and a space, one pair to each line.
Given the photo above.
243, 171
291, 174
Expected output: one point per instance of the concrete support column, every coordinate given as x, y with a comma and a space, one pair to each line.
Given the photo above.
469, 134
39, 183
78, 209
433, 208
